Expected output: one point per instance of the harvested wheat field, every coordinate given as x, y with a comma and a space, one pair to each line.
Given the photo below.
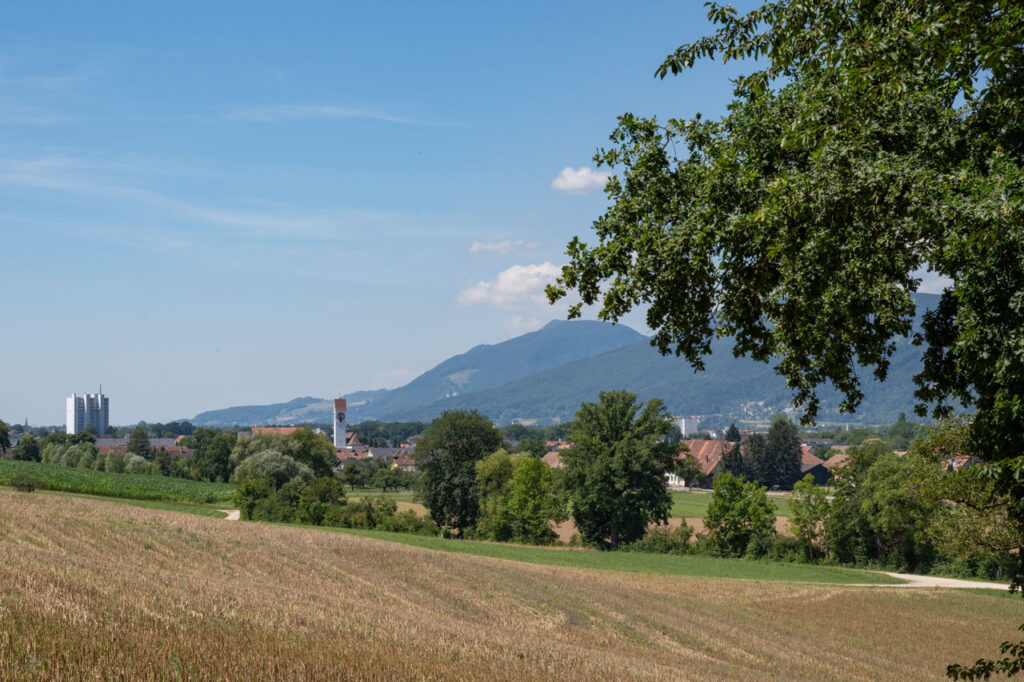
95, 590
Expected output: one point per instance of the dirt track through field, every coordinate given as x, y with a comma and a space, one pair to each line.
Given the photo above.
934, 581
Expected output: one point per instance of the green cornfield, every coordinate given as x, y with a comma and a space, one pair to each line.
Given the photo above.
130, 486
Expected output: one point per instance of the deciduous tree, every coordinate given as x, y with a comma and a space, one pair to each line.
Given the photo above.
615, 471
138, 442
446, 456
810, 508
869, 142
739, 516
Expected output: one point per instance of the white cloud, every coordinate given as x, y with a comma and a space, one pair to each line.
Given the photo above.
579, 180
302, 112
502, 246
932, 282
519, 287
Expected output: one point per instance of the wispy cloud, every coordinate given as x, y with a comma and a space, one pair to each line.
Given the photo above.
501, 246
58, 174
12, 113
275, 113
579, 180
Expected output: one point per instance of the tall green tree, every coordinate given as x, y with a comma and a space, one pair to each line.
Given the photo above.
809, 510
614, 473
446, 456
733, 462
27, 449
783, 466
533, 503
869, 142
493, 479
212, 456
138, 442
732, 434
739, 518
5, 438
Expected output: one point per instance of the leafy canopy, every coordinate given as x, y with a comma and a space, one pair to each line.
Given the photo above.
614, 473
447, 455
739, 517
871, 140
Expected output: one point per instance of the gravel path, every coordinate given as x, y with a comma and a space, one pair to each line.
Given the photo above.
933, 581
232, 514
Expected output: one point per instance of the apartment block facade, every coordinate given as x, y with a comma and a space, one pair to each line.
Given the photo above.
88, 409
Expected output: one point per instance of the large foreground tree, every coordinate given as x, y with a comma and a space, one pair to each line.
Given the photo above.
872, 140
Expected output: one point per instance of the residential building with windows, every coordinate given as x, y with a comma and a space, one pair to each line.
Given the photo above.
90, 409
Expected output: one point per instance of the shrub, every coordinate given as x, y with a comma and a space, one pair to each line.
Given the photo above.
273, 468
408, 522
664, 540
24, 483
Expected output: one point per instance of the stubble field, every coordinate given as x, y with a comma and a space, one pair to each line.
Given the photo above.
90, 589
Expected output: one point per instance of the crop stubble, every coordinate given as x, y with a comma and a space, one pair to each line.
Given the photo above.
94, 590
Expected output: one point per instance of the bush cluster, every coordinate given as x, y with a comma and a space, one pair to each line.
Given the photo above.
322, 502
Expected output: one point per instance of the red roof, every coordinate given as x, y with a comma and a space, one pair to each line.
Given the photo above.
553, 459
836, 461
706, 453
273, 430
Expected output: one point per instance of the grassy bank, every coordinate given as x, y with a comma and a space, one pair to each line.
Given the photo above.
130, 486
636, 562
688, 504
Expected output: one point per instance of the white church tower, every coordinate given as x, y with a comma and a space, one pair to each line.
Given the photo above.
340, 423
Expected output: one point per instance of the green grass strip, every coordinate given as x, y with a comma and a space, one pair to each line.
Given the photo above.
636, 562
688, 504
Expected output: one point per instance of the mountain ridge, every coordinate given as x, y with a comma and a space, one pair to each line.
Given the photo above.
542, 377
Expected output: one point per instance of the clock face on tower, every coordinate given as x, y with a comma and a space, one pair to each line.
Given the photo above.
341, 416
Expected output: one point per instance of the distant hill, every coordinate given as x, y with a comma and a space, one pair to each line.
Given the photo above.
543, 376
490, 366
294, 411
729, 386
480, 368
725, 387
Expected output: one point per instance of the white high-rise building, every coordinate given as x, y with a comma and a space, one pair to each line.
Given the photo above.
89, 409
687, 425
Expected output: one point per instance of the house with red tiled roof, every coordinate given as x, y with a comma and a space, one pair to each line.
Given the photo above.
815, 466
836, 462
706, 454
404, 461
346, 455
553, 459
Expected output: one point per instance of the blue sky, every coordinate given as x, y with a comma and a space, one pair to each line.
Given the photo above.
213, 204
